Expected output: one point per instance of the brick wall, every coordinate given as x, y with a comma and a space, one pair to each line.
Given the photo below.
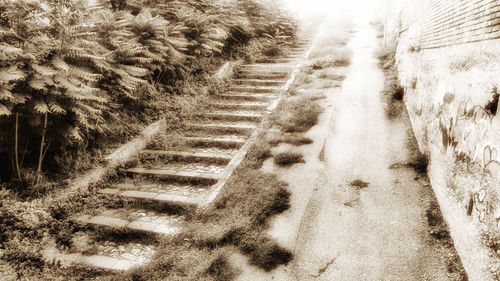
449, 86
441, 23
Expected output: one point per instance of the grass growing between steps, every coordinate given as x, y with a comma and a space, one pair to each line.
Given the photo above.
240, 217
237, 220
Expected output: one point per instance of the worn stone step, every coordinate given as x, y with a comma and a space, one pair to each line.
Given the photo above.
235, 115
265, 73
226, 127
261, 75
258, 82
241, 105
168, 193
295, 51
254, 89
135, 219
108, 255
248, 96
215, 141
287, 60
193, 173
268, 67
190, 155
294, 55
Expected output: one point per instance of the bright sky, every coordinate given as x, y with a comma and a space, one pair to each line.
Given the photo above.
360, 10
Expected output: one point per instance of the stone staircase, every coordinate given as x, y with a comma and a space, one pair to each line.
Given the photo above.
185, 176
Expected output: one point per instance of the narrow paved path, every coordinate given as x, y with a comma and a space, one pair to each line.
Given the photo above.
379, 232
342, 232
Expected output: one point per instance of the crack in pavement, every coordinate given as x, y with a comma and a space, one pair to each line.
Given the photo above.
325, 267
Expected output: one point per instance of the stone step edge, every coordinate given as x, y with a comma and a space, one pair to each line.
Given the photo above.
176, 199
228, 115
113, 222
215, 140
189, 155
52, 255
248, 82
171, 174
225, 127
254, 87
266, 65
248, 96
278, 76
243, 106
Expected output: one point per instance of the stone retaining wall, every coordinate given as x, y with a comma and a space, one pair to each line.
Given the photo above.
448, 58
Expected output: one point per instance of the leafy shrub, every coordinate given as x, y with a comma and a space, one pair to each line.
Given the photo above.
69, 69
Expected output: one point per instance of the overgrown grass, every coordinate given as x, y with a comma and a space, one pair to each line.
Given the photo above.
468, 60
297, 115
393, 93
296, 139
237, 220
288, 158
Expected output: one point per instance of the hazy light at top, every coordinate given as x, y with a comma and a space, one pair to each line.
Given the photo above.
358, 10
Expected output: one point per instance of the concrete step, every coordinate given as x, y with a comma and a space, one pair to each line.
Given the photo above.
224, 127
196, 173
268, 67
135, 219
264, 73
261, 75
254, 89
108, 255
251, 116
295, 53
248, 96
257, 82
241, 105
190, 155
215, 141
288, 60
156, 191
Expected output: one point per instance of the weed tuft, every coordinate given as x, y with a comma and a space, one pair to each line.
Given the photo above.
288, 158
298, 116
420, 164
359, 184
277, 205
221, 270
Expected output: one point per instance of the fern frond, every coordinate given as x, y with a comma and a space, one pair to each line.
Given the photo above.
43, 70
84, 74
6, 95
74, 134
4, 111
40, 106
55, 107
9, 50
10, 74
39, 82
134, 70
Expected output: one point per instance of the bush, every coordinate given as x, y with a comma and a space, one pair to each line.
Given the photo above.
63, 93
